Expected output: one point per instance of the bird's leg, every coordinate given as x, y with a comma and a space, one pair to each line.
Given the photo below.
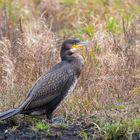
49, 117
24, 116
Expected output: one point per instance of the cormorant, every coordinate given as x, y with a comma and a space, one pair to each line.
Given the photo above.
51, 88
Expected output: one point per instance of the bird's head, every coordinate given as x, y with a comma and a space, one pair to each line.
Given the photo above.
70, 49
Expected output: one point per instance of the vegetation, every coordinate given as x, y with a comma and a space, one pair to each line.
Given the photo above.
31, 33
42, 126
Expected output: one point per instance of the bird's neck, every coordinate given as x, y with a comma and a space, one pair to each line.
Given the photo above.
77, 64
75, 60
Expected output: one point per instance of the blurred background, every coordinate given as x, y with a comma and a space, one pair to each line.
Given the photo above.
31, 33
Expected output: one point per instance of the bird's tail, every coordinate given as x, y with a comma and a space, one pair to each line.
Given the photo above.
9, 113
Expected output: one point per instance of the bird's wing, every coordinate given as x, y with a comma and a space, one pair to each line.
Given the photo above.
48, 87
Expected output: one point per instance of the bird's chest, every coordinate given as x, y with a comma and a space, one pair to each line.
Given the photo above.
71, 88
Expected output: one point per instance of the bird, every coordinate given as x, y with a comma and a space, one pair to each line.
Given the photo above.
52, 87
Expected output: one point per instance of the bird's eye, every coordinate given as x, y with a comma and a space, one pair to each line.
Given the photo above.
76, 41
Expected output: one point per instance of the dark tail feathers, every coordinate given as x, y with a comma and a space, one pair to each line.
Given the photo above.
9, 113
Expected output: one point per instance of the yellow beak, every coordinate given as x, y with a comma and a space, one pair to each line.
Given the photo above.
81, 45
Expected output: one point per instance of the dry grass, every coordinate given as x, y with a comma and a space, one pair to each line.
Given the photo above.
25, 60
106, 86
110, 82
